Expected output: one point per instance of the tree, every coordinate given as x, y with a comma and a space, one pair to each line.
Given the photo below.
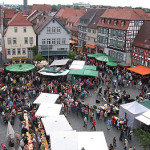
144, 138
76, 7
71, 55
38, 57
34, 50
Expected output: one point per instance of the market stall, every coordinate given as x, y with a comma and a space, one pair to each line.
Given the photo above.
131, 110
77, 64
47, 109
46, 98
60, 62
55, 123
91, 140
67, 140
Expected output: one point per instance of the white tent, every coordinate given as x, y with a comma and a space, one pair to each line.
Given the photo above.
46, 98
55, 123
46, 110
77, 64
132, 110
64, 140
144, 118
60, 62
91, 140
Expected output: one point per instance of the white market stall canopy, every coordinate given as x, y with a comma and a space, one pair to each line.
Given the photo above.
46, 98
91, 140
145, 118
60, 62
77, 64
55, 123
64, 140
46, 110
53, 71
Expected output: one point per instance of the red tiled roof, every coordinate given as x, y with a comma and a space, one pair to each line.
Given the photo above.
111, 25
74, 20
68, 12
143, 37
9, 13
43, 7
125, 14
19, 20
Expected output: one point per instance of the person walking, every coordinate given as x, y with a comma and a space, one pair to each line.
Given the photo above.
11, 144
125, 144
109, 124
114, 142
111, 147
105, 116
85, 121
94, 125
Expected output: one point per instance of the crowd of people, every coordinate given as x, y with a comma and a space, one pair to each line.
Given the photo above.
19, 90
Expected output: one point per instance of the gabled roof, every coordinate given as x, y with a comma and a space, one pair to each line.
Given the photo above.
9, 13
74, 20
68, 12
125, 14
44, 21
43, 7
95, 20
143, 37
90, 13
19, 20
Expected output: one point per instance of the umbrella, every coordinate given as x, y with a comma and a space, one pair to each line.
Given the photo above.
96, 55
112, 64
105, 59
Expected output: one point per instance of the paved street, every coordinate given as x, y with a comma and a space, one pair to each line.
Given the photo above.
77, 124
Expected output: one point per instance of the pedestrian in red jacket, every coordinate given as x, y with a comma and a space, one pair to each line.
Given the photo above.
94, 125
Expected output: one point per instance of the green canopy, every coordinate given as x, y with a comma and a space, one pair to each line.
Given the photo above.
96, 55
112, 64
89, 67
6, 60
20, 67
145, 103
105, 59
82, 72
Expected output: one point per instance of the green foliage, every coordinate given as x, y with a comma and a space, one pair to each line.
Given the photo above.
35, 50
38, 57
76, 7
57, 7
144, 138
71, 55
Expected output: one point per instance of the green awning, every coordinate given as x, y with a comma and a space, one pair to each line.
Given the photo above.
112, 64
20, 67
90, 73
6, 60
76, 72
96, 55
105, 59
145, 103
89, 67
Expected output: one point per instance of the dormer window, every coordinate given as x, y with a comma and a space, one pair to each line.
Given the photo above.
115, 22
53, 21
109, 21
15, 29
122, 23
103, 20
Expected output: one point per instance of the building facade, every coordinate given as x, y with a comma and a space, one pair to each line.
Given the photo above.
53, 37
141, 47
117, 30
19, 38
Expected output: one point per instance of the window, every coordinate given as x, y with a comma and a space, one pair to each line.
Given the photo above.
8, 52
18, 51
103, 20
48, 29
24, 29
43, 41
15, 29
109, 21
89, 30
48, 41
115, 22
53, 21
58, 29
122, 23
58, 40
14, 41
53, 29
13, 51
26, 40
31, 40
9, 41
23, 51
63, 40
53, 41
94, 31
